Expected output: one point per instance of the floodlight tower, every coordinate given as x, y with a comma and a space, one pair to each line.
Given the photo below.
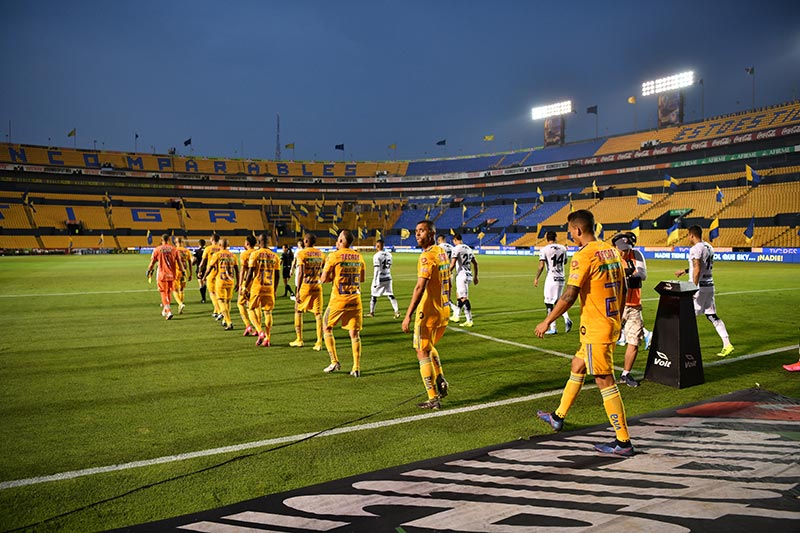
553, 121
670, 100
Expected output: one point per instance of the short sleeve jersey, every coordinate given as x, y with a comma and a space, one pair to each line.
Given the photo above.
263, 262
703, 252
463, 255
347, 266
554, 257
596, 270
382, 263
433, 309
312, 259
208, 253
186, 256
167, 259
226, 265
287, 258
244, 257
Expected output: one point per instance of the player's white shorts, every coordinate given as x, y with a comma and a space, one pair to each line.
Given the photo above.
384, 288
552, 290
704, 301
463, 279
633, 330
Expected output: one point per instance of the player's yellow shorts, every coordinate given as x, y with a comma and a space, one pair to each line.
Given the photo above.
351, 318
224, 290
211, 283
426, 337
180, 281
599, 358
261, 300
309, 299
242, 300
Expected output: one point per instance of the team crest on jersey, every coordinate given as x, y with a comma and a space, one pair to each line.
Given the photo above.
574, 264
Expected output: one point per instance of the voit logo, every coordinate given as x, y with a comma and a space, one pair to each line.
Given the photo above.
690, 362
661, 359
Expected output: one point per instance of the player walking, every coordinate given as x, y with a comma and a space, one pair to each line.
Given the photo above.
553, 256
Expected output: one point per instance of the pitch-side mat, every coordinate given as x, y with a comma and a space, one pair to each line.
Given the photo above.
727, 464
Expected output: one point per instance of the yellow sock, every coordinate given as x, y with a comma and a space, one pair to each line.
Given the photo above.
318, 320
215, 302
243, 313
226, 312
356, 345
330, 344
436, 364
426, 371
298, 325
615, 410
571, 390
255, 318
267, 323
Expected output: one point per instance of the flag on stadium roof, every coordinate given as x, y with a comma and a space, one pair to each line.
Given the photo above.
571, 207
541, 194
362, 233
70, 242
72, 132
378, 234
672, 234
392, 146
102, 240
289, 146
339, 147
488, 137
481, 235
750, 70
713, 230
516, 210
443, 142
452, 232
635, 228
592, 110
187, 142
643, 197
720, 196
149, 238
439, 201
753, 178
428, 213
539, 230
631, 99
404, 234
595, 190
751, 227
504, 239
463, 210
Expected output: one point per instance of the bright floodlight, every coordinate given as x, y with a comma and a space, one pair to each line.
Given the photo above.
551, 110
670, 83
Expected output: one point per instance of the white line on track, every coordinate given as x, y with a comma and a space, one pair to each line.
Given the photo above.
338, 431
75, 293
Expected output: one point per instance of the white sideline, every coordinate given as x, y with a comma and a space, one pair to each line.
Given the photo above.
337, 431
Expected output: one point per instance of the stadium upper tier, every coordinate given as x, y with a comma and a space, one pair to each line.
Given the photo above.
773, 122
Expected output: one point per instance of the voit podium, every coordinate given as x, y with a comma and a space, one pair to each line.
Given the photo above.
674, 357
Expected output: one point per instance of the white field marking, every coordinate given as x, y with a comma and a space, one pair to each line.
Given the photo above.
337, 431
271, 442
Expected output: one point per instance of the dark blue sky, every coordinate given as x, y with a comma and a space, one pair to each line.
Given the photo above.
372, 73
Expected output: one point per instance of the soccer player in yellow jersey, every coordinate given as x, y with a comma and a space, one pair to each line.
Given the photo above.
262, 276
597, 277
184, 274
209, 275
431, 302
241, 302
344, 267
309, 262
225, 264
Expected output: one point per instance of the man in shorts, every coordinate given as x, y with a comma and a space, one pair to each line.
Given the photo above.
309, 262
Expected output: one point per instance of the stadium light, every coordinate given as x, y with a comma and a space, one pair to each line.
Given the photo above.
552, 110
670, 83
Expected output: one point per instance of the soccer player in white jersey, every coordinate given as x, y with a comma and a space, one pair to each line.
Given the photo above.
553, 256
701, 263
466, 267
441, 242
382, 279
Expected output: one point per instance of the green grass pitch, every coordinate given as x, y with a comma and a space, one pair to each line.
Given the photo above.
92, 376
